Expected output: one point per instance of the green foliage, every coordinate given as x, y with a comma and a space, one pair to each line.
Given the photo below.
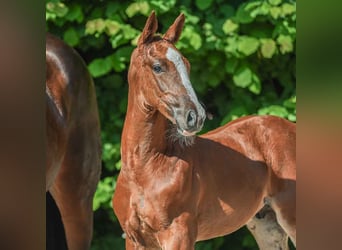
104, 193
203, 4
242, 56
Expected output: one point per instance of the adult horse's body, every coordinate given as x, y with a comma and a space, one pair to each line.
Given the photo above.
170, 194
73, 140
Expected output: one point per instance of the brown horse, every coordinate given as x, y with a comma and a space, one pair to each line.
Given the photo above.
73, 140
176, 188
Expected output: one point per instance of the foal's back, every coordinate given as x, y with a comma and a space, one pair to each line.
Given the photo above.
248, 163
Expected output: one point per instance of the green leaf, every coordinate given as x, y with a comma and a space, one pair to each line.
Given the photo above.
285, 43
117, 40
190, 16
71, 37
261, 10
288, 9
104, 192
162, 6
229, 26
268, 48
118, 165
243, 77
242, 15
274, 110
95, 26
292, 117
75, 13
129, 32
232, 46
203, 4
194, 39
248, 45
100, 66
255, 87
290, 103
253, 5
112, 27
275, 2
118, 62
234, 113
275, 12
139, 7
59, 9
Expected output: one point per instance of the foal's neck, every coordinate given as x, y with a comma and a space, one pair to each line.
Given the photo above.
144, 136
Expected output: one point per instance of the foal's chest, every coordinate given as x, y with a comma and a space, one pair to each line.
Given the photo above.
160, 200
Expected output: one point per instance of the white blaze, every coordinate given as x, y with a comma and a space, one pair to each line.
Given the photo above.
176, 58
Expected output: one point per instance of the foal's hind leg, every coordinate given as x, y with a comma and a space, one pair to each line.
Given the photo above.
75, 186
267, 232
284, 204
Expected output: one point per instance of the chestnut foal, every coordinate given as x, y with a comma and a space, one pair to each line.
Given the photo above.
176, 188
73, 140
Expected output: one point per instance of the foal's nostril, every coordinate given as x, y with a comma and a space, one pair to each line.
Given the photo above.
191, 119
200, 121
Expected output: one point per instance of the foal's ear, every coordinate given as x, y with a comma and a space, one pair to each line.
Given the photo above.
150, 28
175, 30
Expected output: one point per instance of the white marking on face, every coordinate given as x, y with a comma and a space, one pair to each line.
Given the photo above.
176, 58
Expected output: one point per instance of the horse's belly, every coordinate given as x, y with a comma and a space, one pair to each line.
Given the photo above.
220, 219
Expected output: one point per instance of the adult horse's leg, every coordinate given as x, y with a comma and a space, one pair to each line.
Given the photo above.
267, 232
284, 204
76, 183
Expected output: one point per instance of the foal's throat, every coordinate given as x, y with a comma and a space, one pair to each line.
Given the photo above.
145, 136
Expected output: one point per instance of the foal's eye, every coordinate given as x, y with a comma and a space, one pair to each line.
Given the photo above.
157, 68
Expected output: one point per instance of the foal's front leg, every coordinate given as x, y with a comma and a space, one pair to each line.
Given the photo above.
180, 235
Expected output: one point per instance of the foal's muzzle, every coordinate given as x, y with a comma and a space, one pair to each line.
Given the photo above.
191, 122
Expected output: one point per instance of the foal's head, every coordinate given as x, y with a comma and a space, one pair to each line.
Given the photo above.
160, 78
